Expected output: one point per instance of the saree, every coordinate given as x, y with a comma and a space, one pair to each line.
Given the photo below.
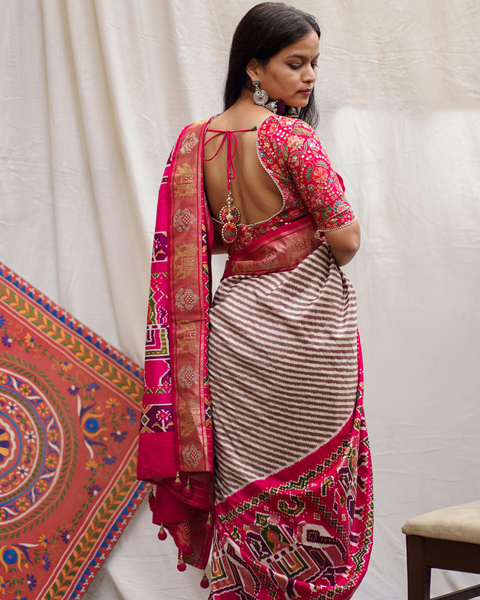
284, 470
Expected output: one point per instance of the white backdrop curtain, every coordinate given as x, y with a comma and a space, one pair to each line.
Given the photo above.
92, 96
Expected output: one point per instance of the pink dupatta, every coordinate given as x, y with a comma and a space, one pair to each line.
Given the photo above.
175, 443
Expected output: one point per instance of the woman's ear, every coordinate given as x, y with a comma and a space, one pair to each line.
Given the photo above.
252, 69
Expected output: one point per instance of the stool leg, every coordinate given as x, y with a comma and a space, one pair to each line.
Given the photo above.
418, 573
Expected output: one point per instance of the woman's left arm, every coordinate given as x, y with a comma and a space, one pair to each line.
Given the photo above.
344, 243
320, 187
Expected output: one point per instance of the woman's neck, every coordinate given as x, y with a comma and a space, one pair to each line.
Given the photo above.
243, 114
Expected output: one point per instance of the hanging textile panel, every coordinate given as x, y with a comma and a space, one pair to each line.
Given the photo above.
69, 416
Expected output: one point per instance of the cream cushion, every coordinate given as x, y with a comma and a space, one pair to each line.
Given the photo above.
457, 523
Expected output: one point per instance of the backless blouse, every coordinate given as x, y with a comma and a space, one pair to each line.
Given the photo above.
291, 153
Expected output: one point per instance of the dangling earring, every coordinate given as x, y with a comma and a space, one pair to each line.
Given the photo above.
260, 96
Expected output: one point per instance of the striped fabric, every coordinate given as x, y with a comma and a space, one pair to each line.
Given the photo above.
283, 368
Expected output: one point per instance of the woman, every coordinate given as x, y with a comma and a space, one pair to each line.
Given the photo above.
290, 505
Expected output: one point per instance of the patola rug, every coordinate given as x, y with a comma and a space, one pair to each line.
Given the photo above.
69, 416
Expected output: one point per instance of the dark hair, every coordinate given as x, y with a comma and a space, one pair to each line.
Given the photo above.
266, 29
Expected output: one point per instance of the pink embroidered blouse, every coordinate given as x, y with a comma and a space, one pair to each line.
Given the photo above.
293, 156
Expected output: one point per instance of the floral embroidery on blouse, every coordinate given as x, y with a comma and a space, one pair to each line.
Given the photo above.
292, 154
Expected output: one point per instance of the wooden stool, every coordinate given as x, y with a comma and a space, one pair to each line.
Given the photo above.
443, 539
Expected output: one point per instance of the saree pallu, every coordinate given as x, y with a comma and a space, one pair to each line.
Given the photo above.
293, 477
175, 451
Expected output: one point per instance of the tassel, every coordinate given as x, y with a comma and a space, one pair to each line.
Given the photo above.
209, 524
151, 499
204, 583
187, 490
162, 534
178, 482
181, 566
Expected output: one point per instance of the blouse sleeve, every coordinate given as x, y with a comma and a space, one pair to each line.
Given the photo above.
297, 146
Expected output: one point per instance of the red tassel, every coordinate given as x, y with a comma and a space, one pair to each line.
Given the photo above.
178, 482
187, 490
181, 566
162, 534
204, 583
209, 524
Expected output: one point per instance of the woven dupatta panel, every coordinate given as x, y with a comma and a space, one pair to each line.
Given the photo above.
69, 417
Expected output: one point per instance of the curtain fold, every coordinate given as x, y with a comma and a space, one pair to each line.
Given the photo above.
93, 94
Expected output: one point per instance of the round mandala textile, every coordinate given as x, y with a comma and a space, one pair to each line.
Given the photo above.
69, 418
35, 442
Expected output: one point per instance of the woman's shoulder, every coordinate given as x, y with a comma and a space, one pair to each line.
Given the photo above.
282, 126
190, 135
196, 125
280, 135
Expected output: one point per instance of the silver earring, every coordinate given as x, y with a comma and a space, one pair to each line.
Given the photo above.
260, 96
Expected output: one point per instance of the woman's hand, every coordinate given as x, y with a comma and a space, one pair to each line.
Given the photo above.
344, 243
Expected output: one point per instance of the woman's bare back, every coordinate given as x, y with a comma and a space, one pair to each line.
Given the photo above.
253, 190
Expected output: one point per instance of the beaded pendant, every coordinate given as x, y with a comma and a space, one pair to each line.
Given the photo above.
229, 215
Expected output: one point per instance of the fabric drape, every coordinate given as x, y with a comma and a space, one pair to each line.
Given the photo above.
93, 96
175, 440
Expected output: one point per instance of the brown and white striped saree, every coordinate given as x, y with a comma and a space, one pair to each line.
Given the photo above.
292, 463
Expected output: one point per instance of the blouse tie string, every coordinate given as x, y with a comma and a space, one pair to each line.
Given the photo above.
232, 145
229, 214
